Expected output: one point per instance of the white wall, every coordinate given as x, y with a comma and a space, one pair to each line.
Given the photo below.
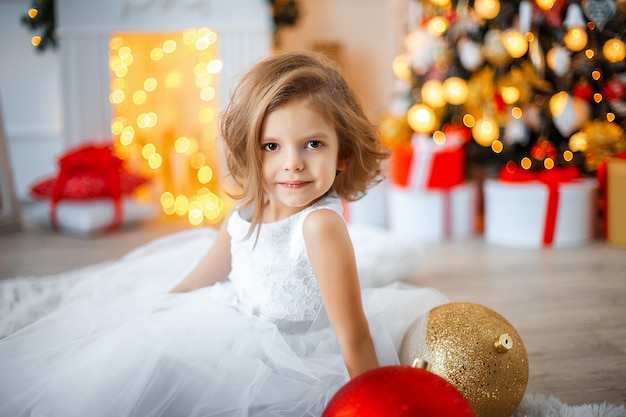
371, 33
31, 99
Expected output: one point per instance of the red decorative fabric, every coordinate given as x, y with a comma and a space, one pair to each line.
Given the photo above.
88, 172
552, 178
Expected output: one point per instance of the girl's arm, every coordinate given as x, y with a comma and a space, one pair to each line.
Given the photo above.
332, 257
214, 266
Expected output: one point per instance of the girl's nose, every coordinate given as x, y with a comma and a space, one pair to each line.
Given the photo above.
293, 161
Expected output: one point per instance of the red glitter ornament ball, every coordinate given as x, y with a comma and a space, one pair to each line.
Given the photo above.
398, 391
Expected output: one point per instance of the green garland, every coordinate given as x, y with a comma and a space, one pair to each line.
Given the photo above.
43, 23
284, 13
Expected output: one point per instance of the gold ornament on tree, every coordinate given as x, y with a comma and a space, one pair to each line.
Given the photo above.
421, 118
486, 131
515, 43
487, 9
525, 80
481, 90
476, 350
614, 50
432, 93
598, 140
576, 38
394, 130
455, 90
494, 50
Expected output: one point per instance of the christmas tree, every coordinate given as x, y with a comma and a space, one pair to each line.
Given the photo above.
534, 83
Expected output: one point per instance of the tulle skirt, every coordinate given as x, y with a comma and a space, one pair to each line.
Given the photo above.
119, 345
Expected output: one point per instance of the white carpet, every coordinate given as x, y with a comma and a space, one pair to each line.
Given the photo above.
538, 405
24, 300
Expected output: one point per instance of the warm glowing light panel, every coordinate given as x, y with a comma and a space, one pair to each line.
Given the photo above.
164, 93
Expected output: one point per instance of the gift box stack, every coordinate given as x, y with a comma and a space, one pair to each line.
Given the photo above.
535, 209
428, 197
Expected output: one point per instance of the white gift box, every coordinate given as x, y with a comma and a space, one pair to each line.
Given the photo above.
371, 210
433, 215
515, 213
82, 218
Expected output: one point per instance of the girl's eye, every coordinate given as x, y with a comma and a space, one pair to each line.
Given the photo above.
314, 144
270, 147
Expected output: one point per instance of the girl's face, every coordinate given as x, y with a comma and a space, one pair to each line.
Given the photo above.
299, 153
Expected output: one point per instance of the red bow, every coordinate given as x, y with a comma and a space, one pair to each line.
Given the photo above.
93, 158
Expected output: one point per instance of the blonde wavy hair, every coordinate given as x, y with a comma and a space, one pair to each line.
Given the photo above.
271, 84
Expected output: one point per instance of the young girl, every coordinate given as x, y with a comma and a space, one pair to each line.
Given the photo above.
271, 321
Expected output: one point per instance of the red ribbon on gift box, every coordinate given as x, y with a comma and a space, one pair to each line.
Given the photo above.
601, 175
92, 158
552, 178
446, 170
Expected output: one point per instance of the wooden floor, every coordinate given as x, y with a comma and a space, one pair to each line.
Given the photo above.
569, 305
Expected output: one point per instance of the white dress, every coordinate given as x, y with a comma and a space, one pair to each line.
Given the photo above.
255, 344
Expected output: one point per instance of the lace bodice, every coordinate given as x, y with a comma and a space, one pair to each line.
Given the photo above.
274, 278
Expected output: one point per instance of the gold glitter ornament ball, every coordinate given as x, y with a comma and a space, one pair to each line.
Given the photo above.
476, 350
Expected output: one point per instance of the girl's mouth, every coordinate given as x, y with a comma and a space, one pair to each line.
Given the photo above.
294, 184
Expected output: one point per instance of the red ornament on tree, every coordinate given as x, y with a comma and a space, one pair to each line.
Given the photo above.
614, 89
398, 391
457, 130
583, 89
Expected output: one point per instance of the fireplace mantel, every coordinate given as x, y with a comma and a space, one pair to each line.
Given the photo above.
85, 28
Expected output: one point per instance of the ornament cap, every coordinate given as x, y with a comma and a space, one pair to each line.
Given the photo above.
503, 343
422, 364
